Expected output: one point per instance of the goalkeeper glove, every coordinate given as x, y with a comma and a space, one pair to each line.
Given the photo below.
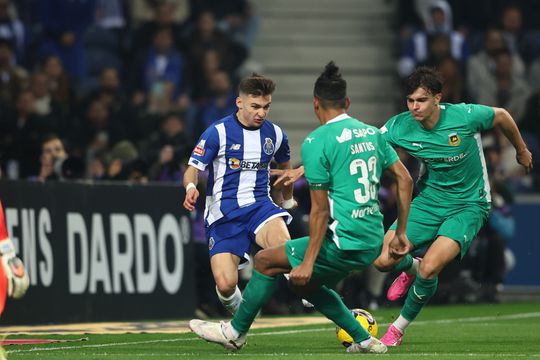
18, 280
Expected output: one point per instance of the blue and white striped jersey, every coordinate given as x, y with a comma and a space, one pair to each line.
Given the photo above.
238, 159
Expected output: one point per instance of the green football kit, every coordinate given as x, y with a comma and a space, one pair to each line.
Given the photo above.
345, 157
454, 197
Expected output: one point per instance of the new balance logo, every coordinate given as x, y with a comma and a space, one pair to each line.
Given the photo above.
235, 147
419, 296
346, 135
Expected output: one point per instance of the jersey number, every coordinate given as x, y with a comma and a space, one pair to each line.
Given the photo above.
369, 186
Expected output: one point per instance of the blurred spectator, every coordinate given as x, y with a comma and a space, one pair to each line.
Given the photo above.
21, 135
171, 132
98, 129
482, 66
64, 24
163, 74
176, 11
207, 36
519, 41
454, 84
236, 17
530, 127
45, 105
167, 167
509, 91
58, 82
121, 155
52, 156
221, 103
201, 74
14, 31
12, 77
438, 39
166, 14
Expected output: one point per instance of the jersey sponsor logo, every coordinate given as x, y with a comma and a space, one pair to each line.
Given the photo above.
235, 147
360, 213
268, 146
346, 135
447, 159
454, 139
211, 243
235, 164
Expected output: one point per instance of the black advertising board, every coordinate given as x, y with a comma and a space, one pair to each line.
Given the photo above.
100, 252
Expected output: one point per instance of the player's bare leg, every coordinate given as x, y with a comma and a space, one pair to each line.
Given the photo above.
225, 270
439, 254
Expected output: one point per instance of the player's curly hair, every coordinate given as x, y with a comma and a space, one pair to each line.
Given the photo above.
256, 85
424, 77
330, 88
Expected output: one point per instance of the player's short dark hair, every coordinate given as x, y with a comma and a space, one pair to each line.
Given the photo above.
330, 88
426, 78
256, 85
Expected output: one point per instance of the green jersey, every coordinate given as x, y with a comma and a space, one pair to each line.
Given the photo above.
453, 168
347, 157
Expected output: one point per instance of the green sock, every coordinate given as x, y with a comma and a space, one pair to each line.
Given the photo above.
405, 263
257, 292
330, 305
419, 294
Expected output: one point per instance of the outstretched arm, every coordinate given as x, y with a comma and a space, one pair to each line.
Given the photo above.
287, 177
401, 245
191, 178
506, 123
318, 222
287, 189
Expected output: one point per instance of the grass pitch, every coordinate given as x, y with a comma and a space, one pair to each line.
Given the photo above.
502, 331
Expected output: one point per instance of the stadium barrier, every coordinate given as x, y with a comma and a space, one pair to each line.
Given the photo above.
526, 242
100, 252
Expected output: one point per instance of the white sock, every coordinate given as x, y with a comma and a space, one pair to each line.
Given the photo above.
365, 343
231, 303
230, 331
401, 323
414, 267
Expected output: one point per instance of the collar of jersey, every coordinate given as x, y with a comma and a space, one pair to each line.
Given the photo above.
244, 126
339, 118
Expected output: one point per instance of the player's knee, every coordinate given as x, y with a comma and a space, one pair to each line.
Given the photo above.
429, 269
226, 285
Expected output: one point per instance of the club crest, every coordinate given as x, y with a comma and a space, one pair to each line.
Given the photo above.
454, 139
211, 243
268, 146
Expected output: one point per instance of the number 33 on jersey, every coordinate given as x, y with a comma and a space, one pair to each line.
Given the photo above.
347, 157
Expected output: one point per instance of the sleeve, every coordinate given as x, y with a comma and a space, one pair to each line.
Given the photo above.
387, 131
389, 154
480, 117
283, 153
206, 150
315, 162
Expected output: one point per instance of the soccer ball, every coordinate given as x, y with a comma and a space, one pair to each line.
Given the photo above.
365, 319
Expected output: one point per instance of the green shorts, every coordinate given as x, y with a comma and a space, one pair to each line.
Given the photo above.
428, 220
332, 264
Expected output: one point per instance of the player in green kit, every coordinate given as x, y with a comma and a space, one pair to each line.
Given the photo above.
344, 159
454, 198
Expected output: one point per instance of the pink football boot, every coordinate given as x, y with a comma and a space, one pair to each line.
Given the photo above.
393, 336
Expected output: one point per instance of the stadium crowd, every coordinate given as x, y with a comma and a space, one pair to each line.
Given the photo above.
117, 90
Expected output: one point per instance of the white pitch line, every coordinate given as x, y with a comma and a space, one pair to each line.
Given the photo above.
283, 332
